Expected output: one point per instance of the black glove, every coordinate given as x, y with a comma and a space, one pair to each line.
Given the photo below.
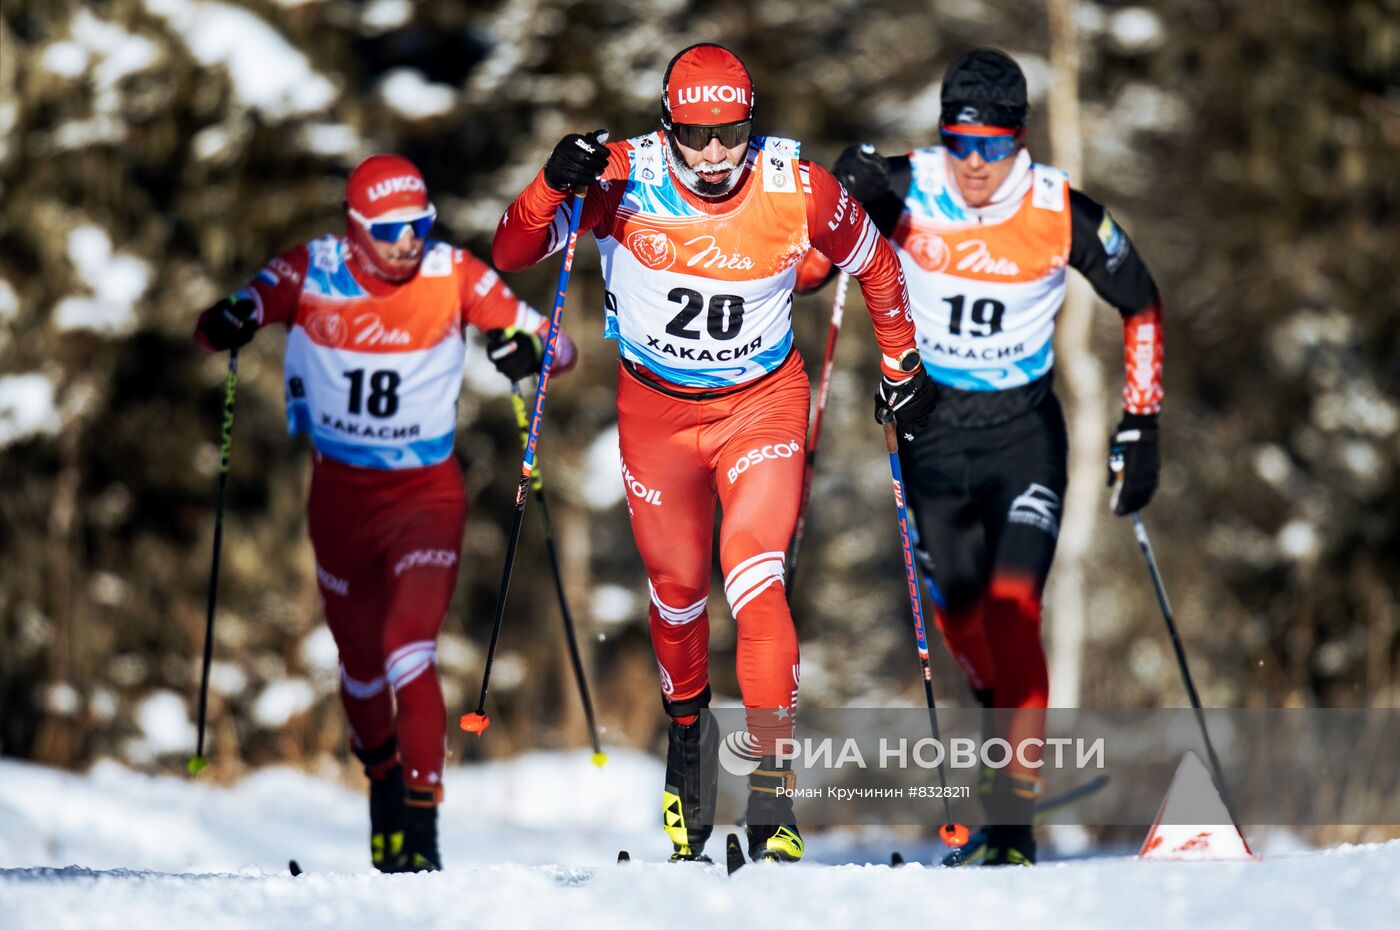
230, 323
517, 354
865, 174
910, 400
577, 161
1133, 463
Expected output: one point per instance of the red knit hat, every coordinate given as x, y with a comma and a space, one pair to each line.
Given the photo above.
384, 184
706, 85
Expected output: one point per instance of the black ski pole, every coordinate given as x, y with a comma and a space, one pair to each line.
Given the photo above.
197, 763
477, 721
522, 420
838, 306
1217, 773
954, 834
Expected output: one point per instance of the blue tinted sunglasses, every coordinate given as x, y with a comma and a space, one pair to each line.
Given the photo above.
392, 230
991, 147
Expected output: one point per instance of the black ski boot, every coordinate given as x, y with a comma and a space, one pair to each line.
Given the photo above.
1011, 835
386, 806
1010, 845
420, 842
692, 778
769, 820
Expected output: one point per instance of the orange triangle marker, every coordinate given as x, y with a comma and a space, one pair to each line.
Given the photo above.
1212, 837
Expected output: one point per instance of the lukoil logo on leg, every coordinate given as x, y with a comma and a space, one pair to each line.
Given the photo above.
637, 489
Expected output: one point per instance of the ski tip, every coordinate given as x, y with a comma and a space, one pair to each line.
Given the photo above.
293, 867
954, 834
600, 759
196, 765
474, 722
733, 853
896, 860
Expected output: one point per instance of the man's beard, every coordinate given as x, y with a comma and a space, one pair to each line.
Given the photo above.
690, 177
369, 261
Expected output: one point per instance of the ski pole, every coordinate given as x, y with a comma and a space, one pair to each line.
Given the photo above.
477, 720
838, 306
934, 591
1217, 773
197, 763
954, 834
522, 420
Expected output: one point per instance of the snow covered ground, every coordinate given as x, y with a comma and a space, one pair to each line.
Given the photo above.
530, 843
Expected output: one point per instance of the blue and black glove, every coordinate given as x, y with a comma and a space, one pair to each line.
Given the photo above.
1133, 462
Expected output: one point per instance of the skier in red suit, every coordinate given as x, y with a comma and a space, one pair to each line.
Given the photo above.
701, 226
375, 351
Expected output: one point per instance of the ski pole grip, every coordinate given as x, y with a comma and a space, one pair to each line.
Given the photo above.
891, 435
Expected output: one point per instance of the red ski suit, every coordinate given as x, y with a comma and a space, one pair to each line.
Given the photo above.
712, 399
373, 373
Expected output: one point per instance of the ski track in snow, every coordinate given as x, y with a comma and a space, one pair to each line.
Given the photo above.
530, 843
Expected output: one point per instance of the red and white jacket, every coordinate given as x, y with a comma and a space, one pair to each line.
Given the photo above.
373, 368
699, 292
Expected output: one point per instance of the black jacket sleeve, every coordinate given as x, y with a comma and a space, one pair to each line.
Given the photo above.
885, 210
1102, 252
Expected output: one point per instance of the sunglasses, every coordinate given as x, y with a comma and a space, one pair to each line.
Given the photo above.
991, 147
697, 137
392, 230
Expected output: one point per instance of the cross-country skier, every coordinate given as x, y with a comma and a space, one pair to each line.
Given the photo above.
701, 226
373, 371
985, 235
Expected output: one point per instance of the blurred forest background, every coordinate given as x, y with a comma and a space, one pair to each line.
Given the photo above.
153, 153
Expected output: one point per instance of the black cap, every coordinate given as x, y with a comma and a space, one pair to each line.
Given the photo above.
985, 87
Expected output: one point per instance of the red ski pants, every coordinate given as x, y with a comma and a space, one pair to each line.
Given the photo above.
678, 456
387, 545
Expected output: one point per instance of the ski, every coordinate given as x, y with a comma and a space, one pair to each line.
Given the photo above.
625, 858
733, 856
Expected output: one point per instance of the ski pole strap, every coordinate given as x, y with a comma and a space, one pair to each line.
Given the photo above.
551, 343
